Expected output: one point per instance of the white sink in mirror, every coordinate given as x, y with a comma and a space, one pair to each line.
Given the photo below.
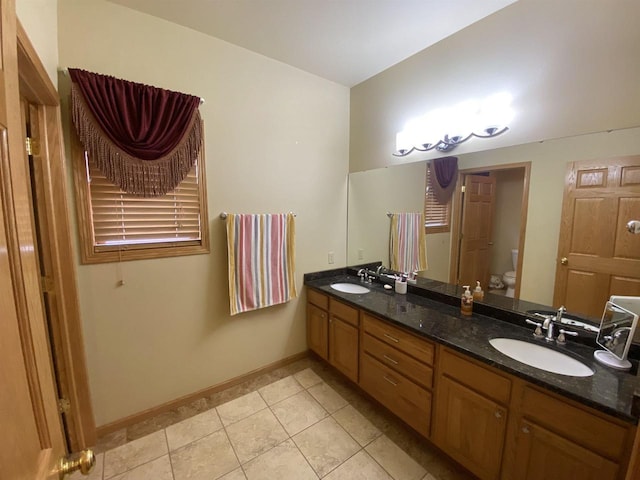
349, 288
541, 357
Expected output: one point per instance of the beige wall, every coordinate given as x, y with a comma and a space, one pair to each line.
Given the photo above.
276, 141
40, 20
571, 66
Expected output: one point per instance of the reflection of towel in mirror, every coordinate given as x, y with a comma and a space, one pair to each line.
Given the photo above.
407, 246
261, 260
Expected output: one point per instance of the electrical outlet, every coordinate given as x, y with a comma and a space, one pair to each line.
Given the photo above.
330, 258
361, 254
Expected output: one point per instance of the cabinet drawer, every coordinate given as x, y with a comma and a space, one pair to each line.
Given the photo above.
574, 423
418, 348
398, 361
480, 379
318, 299
403, 397
344, 312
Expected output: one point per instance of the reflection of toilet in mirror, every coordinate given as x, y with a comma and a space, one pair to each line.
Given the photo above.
509, 278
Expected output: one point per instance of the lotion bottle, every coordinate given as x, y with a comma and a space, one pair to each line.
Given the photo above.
478, 294
466, 303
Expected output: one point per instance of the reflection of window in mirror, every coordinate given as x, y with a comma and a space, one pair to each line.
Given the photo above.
437, 216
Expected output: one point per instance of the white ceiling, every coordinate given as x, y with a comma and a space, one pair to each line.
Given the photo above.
346, 41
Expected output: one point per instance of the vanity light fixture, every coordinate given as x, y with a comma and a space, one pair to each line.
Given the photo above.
445, 128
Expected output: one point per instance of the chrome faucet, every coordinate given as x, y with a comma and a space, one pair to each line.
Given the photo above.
549, 322
362, 273
548, 326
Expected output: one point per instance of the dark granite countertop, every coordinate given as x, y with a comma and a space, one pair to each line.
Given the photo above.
431, 314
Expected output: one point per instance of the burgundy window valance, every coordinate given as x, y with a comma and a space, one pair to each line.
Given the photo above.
144, 139
445, 171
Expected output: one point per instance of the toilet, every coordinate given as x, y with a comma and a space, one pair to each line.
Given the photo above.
509, 278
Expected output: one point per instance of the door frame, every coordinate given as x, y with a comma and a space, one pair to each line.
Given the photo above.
456, 217
66, 336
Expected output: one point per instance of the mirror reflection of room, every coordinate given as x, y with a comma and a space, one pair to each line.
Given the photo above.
537, 173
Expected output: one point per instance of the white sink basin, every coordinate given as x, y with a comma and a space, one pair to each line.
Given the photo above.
349, 288
541, 357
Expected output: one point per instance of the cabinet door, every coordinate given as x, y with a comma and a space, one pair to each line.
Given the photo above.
318, 330
343, 347
543, 455
470, 428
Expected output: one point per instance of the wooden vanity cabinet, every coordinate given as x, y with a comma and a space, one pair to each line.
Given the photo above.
471, 414
498, 426
343, 338
542, 455
318, 323
396, 368
333, 331
555, 438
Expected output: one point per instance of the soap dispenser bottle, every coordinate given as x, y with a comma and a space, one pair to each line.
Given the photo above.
466, 303
478, 293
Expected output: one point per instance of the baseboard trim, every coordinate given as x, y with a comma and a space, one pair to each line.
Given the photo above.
178, 402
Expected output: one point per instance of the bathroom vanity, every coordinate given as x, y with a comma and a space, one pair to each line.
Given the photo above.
435, 369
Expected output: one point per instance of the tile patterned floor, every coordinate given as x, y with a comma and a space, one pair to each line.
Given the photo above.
302, 421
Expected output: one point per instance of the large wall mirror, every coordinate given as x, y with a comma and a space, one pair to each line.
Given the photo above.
400, 188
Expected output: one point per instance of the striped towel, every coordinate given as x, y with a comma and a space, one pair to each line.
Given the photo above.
261, 252
407, 246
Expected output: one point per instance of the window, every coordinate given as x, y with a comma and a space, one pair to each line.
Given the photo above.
116, 226
436, 215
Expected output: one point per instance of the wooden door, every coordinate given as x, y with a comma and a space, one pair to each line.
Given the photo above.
543, 455
318, 330
597, 256
478, 205
470, 428
32, 438
343, 347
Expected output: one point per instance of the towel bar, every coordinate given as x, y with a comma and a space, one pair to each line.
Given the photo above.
224, 215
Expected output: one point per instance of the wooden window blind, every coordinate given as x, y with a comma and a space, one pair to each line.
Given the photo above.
437, 216
120, 219
116, 226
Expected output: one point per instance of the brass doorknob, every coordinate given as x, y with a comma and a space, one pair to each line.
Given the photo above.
564, 260
84, 463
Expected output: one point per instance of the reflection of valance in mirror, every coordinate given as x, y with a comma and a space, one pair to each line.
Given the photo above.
144, 139
446, 171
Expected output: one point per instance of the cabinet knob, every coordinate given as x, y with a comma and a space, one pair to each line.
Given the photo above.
498, 414
525, 429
